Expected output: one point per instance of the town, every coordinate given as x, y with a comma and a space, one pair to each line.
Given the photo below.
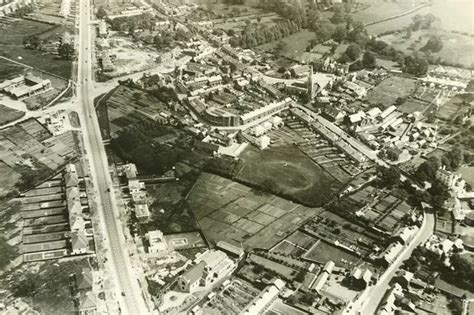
236, 157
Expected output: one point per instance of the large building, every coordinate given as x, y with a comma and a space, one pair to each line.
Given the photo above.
210, 267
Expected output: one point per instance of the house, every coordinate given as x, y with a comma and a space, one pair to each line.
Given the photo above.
406, 234
387, 306
87, 304
360, 278
130, 171
71, 179
141, 211
211, 266
390, 254
157, 242
79, 242
404, 278
84, 279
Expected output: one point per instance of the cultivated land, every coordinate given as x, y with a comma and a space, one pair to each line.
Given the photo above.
287, 170
230, 211
11, 46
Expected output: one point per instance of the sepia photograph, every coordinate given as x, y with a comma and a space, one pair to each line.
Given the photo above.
236, 157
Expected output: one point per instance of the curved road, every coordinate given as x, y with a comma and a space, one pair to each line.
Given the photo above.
376, 293
127, 289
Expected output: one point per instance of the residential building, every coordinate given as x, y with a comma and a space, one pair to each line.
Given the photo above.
157, 243
360, 278
87, 304
390, 254
231, 249
406, 234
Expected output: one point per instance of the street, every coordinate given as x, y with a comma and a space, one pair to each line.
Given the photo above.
127, 289
377, 292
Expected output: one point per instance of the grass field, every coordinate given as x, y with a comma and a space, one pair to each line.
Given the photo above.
290, 172
322, 252
467, 173
11, 46
454, 107
390, 89
457, 48
295, 44
380, 9
7, 114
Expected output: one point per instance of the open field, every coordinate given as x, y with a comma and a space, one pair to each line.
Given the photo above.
467, 173
295, 44
7, 114
454, 107
379, 9
390, 89
230, 211
457, 48
322, 252
11, 46
287, 170
454, 15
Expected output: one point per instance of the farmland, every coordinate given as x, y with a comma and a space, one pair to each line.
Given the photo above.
287, 170
236, 213
11, 46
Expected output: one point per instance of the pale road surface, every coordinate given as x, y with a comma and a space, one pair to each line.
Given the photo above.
377, 292
126, 285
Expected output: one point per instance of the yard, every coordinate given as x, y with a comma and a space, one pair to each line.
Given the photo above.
287, 171
11, 46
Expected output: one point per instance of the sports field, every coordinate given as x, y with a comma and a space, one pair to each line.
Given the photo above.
286, 171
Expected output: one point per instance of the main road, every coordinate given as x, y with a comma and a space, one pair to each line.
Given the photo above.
126, 286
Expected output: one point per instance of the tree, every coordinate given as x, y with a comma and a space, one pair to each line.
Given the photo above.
389, 176
353, 51
368, 60
434, 44
66, 51
339, 34
339, 15
101, 13
456, 306
416, 65
32, 42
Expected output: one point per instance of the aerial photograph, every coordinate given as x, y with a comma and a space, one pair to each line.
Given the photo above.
227, 157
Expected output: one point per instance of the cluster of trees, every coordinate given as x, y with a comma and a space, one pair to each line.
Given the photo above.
22, 11
101, 13
66, 51
254, 35
389, 176
165, 39
32, 42
434, 44
415, 64
420, 22
129, 24
135, 145
452, 160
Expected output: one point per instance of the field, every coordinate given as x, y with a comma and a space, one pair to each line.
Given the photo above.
390, 89
454, 15
7, 114
454, 107
295, 44
467, 173
457, 48
379, 10
11, 46
230, 211
322, 252
410, 106
288, 171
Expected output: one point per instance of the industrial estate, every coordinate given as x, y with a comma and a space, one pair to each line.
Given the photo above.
236, 157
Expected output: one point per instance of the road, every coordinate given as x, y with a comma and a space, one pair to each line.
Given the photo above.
126, 286
375, 294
